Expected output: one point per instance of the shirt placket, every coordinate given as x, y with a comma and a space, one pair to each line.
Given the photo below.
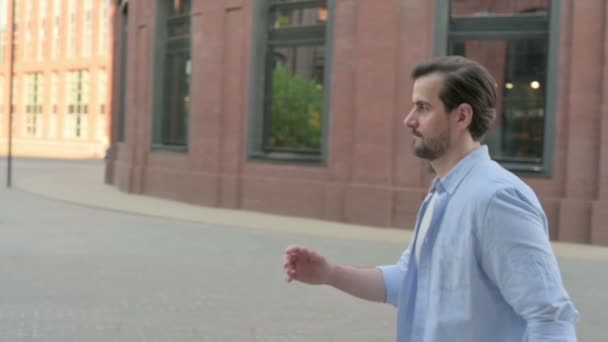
424, 289
404, 328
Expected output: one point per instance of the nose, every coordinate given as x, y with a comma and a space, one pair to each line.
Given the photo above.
410, 121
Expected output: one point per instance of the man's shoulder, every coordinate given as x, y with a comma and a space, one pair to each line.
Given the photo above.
488, 179
489, 186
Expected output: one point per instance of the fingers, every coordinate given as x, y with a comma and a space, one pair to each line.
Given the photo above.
297, 256
301, 252
292, 255
290, 275
295, 250
289, 267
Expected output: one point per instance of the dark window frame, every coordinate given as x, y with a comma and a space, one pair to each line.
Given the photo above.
503, 27
263, 40
78, 110
124, 52
164, 46
33, 103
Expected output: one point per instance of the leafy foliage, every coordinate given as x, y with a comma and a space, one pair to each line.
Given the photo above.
297, 107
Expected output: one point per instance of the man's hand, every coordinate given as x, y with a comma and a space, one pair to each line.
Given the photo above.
305, 265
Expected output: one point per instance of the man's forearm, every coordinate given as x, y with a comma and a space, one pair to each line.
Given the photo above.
365, 283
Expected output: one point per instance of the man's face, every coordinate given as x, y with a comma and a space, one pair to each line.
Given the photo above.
428, 120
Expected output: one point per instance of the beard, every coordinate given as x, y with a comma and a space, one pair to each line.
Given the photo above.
431, 148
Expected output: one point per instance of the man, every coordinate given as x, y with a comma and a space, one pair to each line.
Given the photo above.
480, 266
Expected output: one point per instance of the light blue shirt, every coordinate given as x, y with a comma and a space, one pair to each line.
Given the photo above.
487, 271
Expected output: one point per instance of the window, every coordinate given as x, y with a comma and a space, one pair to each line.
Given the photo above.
3, 30
71, 48
518, 46
104, 28
171, 119
16, 29
34, 85
290, 83
102, 94
54, 100
123, 72
14, 104
77, 118
2, 102
28, 30
42, 9
56, 28
87, 38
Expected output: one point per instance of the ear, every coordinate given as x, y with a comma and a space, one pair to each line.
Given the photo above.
464, 115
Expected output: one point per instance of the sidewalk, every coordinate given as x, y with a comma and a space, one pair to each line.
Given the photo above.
81, 183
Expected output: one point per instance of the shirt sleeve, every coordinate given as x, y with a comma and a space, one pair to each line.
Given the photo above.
393, 276
517, 256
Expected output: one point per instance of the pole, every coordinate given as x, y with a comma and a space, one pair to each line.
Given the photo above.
9, 164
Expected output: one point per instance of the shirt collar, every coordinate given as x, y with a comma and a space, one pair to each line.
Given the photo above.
450, 182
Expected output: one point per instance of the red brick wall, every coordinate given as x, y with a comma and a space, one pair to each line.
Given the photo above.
371, 176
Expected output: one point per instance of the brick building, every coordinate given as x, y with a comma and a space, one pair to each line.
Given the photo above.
60, 82
295, 106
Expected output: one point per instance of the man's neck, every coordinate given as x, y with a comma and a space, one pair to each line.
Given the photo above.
456, 153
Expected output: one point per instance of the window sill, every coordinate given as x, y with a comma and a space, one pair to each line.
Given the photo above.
525, 169
288, 158
169, 148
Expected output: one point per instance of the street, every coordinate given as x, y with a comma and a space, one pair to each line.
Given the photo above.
74, 273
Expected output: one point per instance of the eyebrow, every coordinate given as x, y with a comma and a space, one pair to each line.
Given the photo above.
420, 102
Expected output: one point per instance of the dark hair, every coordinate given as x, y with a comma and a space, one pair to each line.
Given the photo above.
466, 81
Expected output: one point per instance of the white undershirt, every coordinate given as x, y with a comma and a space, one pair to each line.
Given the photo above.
424, 226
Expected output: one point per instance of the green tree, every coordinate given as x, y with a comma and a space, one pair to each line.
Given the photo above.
297, 106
